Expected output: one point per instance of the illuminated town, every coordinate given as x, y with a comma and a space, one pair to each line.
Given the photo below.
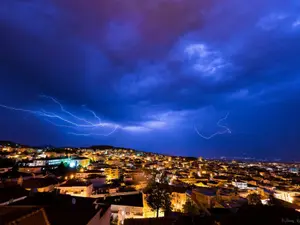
149, 112
118, 181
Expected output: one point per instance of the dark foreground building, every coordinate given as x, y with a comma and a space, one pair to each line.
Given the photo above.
46, 209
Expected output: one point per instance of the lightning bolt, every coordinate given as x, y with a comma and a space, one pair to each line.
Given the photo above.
226, 129
93, 113
65, 111
95, 134
68, 119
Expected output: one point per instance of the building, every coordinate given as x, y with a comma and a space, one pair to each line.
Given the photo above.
294, 170
46, 184
287, 196
240, 184
79, 161
76, 188
70, 161
178, 198
111, 173
33, 169
124, 206
174, 220
12, 193
204, 196
45, 209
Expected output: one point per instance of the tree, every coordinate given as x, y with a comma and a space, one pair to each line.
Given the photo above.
63, 170
5, 162
158, 194
191, 208
254, 199
274, 202
79, 167
236, 190
158, 198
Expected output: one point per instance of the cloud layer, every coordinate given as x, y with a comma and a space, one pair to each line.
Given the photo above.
155, 69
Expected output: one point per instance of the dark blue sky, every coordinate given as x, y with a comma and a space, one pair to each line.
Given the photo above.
153, 71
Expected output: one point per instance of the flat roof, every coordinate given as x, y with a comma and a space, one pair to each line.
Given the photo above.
64, 209
135, 200
206, 191
74, 183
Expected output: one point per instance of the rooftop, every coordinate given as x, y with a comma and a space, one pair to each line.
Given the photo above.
64, 209
206, 191
13, 174
79, 157
128, 200
73, 183
39, 182
13, 213
12, 192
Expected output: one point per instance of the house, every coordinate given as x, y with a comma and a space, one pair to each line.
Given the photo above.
11, 193
48, 208
46, 184
96, 177
23, 215
240, 184
124, 206
5, 169
286, 195
204, 196
76, 188
15, 176
178, 199
33, 169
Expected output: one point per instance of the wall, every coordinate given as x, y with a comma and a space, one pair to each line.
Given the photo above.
104, 220
43, 189
286, 195
205, 200
30, 169
178, 200
115, 194
98, 182
49, 188
83, 191
125, 212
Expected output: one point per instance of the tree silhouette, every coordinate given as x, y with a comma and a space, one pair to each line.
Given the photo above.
158, 198
254, 199
191, 208
158, 195
236, 190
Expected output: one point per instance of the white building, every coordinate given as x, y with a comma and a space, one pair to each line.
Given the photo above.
287, 196
240, 184
125, 206
76, 188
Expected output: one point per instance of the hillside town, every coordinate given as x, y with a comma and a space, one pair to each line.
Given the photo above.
108, 185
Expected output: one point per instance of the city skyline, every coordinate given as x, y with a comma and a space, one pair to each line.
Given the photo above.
192, 78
